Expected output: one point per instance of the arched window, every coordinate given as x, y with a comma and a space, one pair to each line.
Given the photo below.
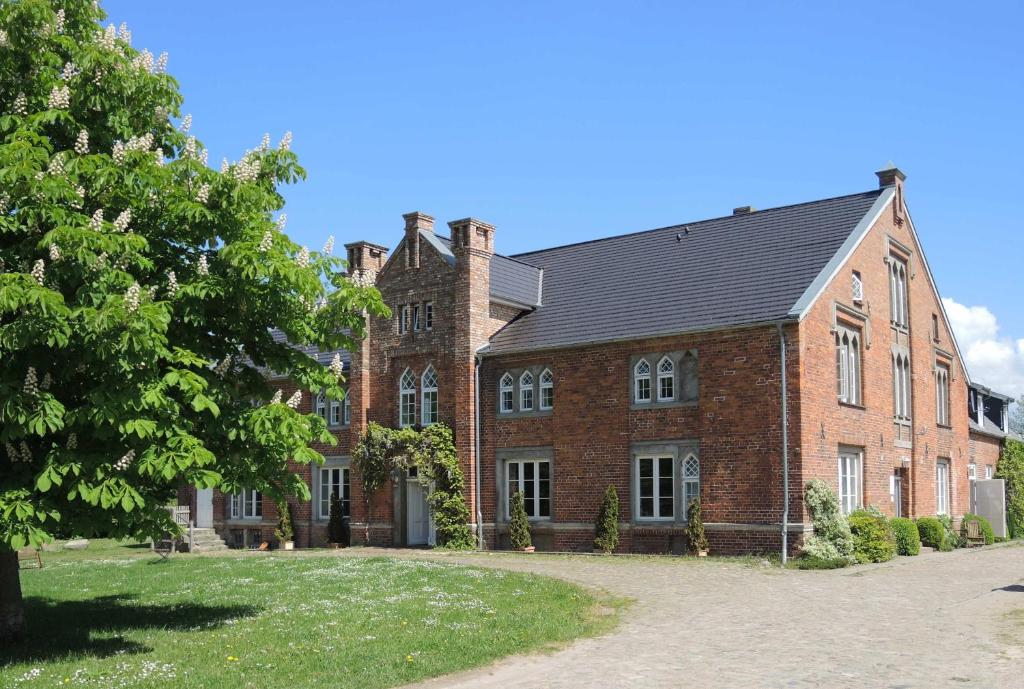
407, 399
526, 391
428, 393
506, 402
321, 406
335, 418
691, 481
898, 291
901, 385
666, 380
848, 386
642, 381
547, 389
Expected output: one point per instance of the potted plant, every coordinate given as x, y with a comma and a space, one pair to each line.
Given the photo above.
284, 532
695, 538
519, 526
607, 531
337, 525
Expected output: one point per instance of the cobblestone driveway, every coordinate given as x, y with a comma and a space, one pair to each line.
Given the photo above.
937, 620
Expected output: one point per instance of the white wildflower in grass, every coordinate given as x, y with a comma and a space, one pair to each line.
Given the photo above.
303, 258
31, 385
69, 72
73, 441
224, 366
336, 366
265, 143
328, 245
54, 253
204, 267
276, 399
186, 124
119, 153
172, 284
286, 141
161, 63
26, 454
224, 166
82, 143
20, 105
266, 242
60, 98
96, 224
39, 271
125, 461
123, 219
295, 400
133, 297
203, 193
47, 381
58, 24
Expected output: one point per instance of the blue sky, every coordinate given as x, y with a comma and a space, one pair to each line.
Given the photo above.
560, 122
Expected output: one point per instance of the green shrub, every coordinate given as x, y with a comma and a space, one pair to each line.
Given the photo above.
337, 525
832, 538
908, 541
872, 537
1011, 469
811, 562
986, 528
695, 538
519, 525
284, 531
952, 535
607, 536
931, 532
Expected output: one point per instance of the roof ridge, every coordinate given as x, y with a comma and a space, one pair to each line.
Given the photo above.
511, 258
689, 224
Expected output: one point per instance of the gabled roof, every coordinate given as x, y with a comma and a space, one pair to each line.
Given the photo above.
989, 427
512, 282
726, 272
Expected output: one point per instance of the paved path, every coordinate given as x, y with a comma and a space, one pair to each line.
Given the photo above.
938, 620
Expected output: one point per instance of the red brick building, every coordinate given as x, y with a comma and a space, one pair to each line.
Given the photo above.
734, 358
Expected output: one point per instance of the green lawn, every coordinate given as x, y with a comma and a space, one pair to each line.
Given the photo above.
115, 616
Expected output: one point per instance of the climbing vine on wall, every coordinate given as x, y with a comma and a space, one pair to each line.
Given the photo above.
431, 450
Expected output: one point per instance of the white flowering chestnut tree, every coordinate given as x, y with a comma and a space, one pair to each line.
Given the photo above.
139, 294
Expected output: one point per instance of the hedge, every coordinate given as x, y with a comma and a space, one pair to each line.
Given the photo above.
932, 534
908, 541
1011, 468
872, 537
986, 528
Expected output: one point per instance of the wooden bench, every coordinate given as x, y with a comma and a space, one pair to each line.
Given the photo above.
974, 535
29, 555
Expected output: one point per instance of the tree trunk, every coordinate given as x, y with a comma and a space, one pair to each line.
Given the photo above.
12, 609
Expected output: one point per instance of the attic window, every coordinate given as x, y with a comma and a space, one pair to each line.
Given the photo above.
858, 288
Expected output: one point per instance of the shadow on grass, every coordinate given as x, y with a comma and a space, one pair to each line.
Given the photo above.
57, 629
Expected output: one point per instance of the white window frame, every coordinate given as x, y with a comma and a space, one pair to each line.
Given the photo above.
346, 410
416, 317
506, 394
526, 400
898, 307
666, 376
428, 396
857, 287
533, 504
972, 472
640, 377
690, 481
902, 391
547, 390
989, 472
851, 480
428, 315
320, 406
247, 505
325, 489
656, 460
942, 394
848, 365
403, 319
335, 418
407, 399
942, 496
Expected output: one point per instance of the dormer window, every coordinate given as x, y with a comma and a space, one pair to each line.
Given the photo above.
526, 391
666, 380
507, 399
642, 381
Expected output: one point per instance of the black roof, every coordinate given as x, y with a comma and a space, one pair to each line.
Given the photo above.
324, 358
511, 280
724, 272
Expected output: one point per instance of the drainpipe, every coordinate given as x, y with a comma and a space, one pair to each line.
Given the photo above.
476, 451
785, 447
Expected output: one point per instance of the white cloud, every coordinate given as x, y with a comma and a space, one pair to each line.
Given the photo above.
994, 361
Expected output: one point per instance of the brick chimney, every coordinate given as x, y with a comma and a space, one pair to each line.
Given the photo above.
892, 176
366, 256
414, 222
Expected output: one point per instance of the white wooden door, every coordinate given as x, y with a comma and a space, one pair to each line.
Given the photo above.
204, 508
417, 514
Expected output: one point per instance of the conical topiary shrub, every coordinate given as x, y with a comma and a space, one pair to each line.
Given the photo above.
519, 525
607, 536
695, 538
284, 531
337, 529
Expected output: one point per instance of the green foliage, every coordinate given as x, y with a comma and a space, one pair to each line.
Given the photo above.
872, 537
519, 524
1011, 468
832, 539
812, 562
138, 293
932, 534
284, 531
696, 540
431, 450
953, 539
607, 531
908, 541
337, 526
986, 528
